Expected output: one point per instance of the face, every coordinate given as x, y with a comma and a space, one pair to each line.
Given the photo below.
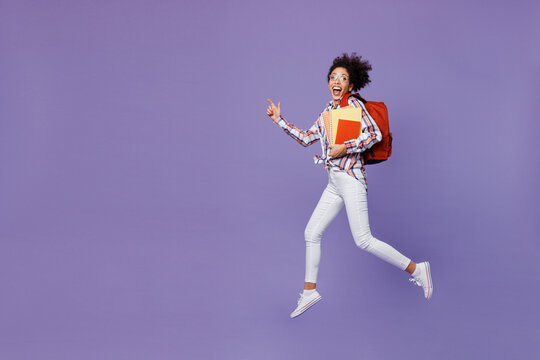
339, 83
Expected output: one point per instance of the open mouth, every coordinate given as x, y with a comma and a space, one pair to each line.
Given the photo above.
336, 90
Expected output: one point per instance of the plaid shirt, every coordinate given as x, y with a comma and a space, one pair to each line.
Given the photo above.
352, 162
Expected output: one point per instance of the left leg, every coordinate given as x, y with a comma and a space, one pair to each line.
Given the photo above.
355, 197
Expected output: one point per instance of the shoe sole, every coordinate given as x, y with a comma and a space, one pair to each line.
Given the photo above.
305, 307
430, 281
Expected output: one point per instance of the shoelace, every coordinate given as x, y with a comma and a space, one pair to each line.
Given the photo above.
411, 279
300, 299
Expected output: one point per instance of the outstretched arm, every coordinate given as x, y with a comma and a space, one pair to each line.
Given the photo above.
304, 138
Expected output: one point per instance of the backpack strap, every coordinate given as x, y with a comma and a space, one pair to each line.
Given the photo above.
345, 99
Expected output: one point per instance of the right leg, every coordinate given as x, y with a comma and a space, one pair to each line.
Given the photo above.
326, 210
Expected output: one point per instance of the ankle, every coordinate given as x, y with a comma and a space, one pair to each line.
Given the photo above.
411, 268
310, 286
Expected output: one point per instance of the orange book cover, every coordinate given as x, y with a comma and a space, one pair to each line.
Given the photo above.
347, 130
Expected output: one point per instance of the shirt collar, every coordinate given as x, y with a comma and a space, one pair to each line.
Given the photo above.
331, 106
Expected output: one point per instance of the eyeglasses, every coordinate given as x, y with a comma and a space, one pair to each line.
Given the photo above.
337, 77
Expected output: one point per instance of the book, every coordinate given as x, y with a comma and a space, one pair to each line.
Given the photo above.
343, 124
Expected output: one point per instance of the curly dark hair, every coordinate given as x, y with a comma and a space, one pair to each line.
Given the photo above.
356, 67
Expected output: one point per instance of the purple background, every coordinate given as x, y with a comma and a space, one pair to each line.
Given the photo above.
150, 210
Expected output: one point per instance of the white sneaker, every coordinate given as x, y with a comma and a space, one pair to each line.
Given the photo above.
305, 302
424, 279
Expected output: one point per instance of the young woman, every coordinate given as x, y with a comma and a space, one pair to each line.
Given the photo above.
346, 181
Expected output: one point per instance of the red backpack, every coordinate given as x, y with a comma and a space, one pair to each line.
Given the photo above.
382, 150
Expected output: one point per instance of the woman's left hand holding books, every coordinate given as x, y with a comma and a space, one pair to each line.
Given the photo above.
337, 150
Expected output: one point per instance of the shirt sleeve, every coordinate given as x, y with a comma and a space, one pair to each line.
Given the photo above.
303, 137
370, 131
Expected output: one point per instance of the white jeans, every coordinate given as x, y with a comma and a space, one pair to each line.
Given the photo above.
344, 189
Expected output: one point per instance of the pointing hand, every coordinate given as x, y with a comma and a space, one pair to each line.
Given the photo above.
273, 111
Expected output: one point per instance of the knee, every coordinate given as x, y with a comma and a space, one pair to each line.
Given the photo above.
312, 236
363, 240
